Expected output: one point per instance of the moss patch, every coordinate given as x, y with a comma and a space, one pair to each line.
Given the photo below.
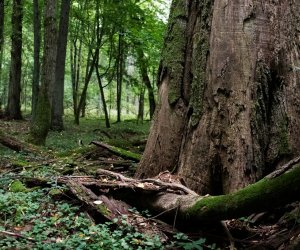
173, 55
17, 186
254, 198
41, 122
201, 51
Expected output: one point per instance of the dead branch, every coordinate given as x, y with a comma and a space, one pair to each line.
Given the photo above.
118, 151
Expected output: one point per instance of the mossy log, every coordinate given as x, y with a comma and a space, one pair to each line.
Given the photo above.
175, 203
264, 195
118, 151
18, 145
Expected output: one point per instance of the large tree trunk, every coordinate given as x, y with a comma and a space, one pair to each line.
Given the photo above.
229, 99
13, 110
58, 89
37, 49
40, 125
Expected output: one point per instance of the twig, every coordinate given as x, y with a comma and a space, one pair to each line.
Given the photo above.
284, 168
171, 186
115, 175
175, 218
16, 235
231, 239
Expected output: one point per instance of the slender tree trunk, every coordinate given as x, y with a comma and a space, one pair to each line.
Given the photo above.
146, 80
107, 123
228, 109
40, 125
75, 59
140, 116
89, 72
37, 48
13, 109
120, 77
58, 89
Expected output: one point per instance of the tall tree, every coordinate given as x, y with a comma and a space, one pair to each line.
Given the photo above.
143, 66
120, 72
41, 123
1, 42
229, 102
36, 56
13, 110
58, 88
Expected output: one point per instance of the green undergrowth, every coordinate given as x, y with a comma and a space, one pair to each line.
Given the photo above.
45, 223
121, 135
43, 218
35, 219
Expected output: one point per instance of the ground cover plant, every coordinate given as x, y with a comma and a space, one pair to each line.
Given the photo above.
38, 212
40, 218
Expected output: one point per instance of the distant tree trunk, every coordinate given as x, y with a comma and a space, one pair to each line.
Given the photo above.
89, 71
120, 77
229, 93
40, 125
36, 57
107, 123
1, 45
58, 89
140, 116
83, 108
13, 110
146, 80
75, 63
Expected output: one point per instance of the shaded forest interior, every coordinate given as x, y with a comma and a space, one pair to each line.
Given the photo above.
125, 127
94, 177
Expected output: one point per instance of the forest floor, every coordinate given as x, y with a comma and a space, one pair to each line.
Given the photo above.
42, 216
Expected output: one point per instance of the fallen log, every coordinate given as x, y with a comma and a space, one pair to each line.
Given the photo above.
118, 151
18, 145
187, 208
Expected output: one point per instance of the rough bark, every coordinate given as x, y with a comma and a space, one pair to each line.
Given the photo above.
13, 109
40, 125
58, 89
36, 57
229, 107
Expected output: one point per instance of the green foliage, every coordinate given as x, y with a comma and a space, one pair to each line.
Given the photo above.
183, 242
60, 225
121, 135
17, 186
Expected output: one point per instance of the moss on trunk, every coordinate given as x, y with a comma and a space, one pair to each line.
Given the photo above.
173, 56
41, 123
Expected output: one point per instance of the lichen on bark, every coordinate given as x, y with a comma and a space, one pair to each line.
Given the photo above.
173, 55
200, 55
